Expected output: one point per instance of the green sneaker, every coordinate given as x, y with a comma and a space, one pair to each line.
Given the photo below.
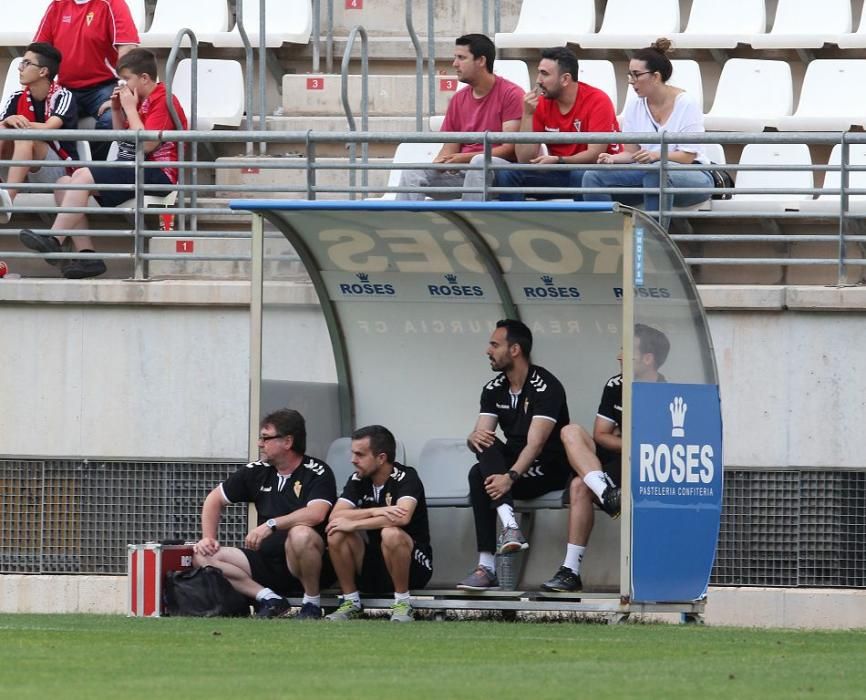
347, 611
402, 611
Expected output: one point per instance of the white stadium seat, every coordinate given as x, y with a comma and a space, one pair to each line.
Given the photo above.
777, 154
544, 23
220, 92
139, 14
600, 74
832, 97
829, 203
12, 83
856, 40
444, 466
806, 24
751, 94
721, 25
203, 17
20, 21
409, 153
288, 22
633, 24
686, 75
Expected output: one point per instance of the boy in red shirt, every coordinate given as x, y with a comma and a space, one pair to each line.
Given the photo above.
559, 104
139, 104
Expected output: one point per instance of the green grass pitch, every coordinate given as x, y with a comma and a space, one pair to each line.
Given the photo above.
89, 656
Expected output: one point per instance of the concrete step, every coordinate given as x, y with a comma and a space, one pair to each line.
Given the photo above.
290, 176
301, 124
321, 95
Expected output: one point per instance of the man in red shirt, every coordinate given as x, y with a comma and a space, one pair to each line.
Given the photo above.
559, 104
487, 103
140, 104
91, 35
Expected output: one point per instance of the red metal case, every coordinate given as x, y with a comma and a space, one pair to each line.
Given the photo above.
147, 565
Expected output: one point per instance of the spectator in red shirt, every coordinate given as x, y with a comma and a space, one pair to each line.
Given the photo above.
559, 104
140, 104
92, 35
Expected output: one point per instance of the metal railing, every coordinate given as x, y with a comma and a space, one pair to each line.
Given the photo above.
316, 177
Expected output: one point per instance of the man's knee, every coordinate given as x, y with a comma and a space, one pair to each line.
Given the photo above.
475, 475
576, 436
394, 539
301, 537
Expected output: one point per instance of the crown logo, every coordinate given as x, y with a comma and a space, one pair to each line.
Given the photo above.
678, 416
363, 276
547, 279
452, 279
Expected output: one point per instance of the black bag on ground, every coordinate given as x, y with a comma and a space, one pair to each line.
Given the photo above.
203, 592
722, 179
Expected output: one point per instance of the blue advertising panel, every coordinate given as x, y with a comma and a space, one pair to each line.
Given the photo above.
676, 479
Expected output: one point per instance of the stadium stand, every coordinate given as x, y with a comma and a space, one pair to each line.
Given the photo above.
631, 24
855, 40
549, 23
220, 91
766, 86
717, 25
288, 22
803, 24
20, 20
828, 203
782, 154
830, 99
204, 17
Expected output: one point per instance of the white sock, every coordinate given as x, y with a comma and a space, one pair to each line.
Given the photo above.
401, 596
266, 594
314, 599
596, 482
487, 560
506, 515
355, 597
573, 557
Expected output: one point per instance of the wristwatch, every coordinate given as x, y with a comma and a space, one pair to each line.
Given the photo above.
513, 475
271, 523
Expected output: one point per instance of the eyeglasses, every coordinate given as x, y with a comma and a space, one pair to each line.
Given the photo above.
26, 63
632, 76
265, 438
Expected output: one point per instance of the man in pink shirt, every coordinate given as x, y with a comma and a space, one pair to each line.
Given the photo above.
91, 35
488, 103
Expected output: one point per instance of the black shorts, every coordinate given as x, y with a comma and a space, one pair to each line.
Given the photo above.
126, 176
270, 569
375, 579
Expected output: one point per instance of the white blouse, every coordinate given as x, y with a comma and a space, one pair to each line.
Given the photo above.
687, 117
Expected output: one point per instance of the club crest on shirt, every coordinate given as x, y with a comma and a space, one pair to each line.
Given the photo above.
297, 489
387, 499
89, 18
576, 123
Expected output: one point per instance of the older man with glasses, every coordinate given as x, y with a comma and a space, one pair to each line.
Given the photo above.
293, 494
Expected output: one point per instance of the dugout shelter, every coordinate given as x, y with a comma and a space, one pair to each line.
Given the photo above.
410, 292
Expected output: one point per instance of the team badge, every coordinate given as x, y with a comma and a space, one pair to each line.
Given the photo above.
297, 489
576, 123
387, 499
89, 18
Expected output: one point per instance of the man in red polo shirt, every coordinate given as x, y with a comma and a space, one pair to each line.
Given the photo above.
91, 35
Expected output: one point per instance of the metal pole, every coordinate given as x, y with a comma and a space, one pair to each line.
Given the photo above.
485, 15
263, 124
139, 264
329, 46
845, 161
347, 108
631, 238
317, 39
431, 59
419, 67
248, 71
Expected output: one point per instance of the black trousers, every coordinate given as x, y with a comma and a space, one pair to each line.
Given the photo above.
497, 459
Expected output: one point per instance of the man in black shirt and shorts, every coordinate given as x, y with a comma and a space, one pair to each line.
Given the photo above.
598, 459
529, 404
293, 494
378, 533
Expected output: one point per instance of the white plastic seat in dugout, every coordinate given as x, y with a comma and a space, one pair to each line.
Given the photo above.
622, 17
600, 74
204, 17
543, 23
831, 99
806, 24
288, 22
686, 75
339, 459
444, 466
220, 92
721, 25
409, 153
829, 203
751, 94
777, 154
20, 21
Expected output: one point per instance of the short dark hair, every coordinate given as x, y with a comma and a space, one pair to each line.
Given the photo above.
565, 59
652, 340
479, 45
656, 58
138, 62
517, 333
49, 57
288, 421
381, 440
